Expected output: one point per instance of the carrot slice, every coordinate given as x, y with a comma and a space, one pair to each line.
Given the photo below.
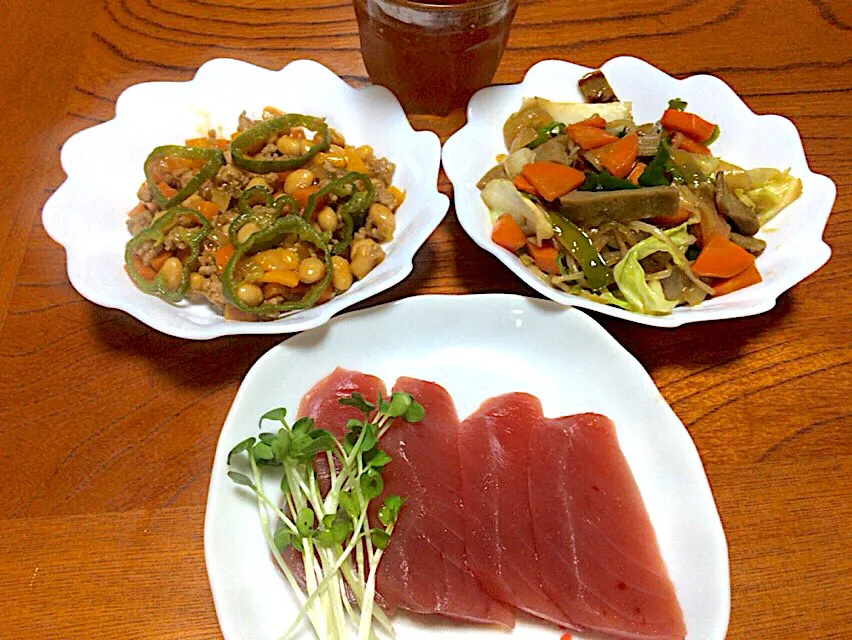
680, 217
619, 157
207, 209
143, 270
302, 194
688, 144
522, 184
742, 280
166, 189
159, 260
593, 121
507, 233
688, 124
721, 258
545, 257
589, 137
223, 254
281, 276
637, 171
552, 179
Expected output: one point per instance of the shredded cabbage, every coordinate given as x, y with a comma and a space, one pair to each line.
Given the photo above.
516, 161
641, 294
501, 197
770, 191
571, 112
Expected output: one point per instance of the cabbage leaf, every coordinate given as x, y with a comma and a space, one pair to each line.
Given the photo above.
501, 197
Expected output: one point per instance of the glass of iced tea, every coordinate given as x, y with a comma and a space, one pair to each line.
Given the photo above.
433, 55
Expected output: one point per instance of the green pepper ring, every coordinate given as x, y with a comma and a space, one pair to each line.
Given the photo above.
358, 202
267, 128
247, 213
215, 160
267, 239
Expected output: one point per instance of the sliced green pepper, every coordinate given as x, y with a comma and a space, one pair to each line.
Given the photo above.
267, 239
545, 133
359, 192
214, 158
578, 244
262, 131
605, 181
156, 234
654, 174
256, 205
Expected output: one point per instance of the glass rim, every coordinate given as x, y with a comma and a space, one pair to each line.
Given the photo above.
467, 5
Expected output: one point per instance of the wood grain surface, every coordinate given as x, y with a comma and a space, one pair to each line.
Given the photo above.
107, 428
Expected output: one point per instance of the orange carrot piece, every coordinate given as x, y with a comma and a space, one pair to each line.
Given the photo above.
545, 257
589, 137
594, 121
142, 269
619, 157
522, 184
552, 179
166, 189
749, 276
326, 295
508, 234
223, 254
160, 259
301, 196
688, 144
721, 258
688, 124
206, 208
637, 171
232, 313
565, 636
680, 217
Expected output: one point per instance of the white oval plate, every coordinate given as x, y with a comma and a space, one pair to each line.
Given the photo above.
795, 248
476, 346
87, 213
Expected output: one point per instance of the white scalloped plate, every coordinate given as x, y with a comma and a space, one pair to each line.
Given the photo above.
104, 166
476, 346
795, 248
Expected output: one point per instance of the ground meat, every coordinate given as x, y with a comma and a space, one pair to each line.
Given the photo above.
139, 219
174, 238
382, 168
144, 193
244, 122
231, 180
382, 195
212, 290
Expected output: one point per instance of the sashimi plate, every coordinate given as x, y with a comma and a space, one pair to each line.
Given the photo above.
475, 346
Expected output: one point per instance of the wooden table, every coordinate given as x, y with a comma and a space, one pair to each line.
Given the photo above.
107, 428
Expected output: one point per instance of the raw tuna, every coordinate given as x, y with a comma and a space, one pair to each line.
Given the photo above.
424, 569
598, 555
494, 450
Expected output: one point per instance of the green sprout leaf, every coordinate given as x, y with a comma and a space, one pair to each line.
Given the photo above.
305, 522
263, 451
399, 404
414, 413
349, 503
303, 426
376, 458
677, 104
267, 438
242, 446
371, 483
274, 414
380, 538
389, 511
282, 538
241, 478
357, 400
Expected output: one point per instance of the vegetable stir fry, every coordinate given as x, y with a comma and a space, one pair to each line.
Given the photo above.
642, 217
282, 216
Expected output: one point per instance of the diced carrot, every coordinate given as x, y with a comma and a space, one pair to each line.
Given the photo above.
197, 142
232, 313
552, 179
589, 137
298, 134
545, 257
206, 208
508, 234
680, 217
688, 144
637, 171
522, 184
281, 276
619, 157
565, 636
326, 295
749, 276
282, 176
594, 121
721, 258
166, 189
301, 196
135, 211
223, 254
688, 124
160, 259
142, 269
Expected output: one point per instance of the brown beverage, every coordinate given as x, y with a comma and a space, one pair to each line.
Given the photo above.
433, 55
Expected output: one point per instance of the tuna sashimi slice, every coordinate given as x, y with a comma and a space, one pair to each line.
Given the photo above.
598, 554
494, 449
424, 569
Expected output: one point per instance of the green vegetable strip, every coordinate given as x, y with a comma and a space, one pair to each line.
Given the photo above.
545, 133
156, 235
654, 174
262, 215
357, 189
267, 239
259, 134
578, 244
605, 181
214, 161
